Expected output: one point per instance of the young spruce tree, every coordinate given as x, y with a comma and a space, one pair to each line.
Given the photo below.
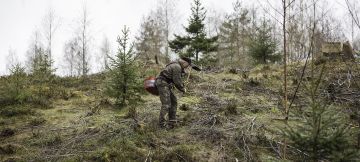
14, 90
42, 71
322, 135
262, 46
124, 84
42, 77
196, 41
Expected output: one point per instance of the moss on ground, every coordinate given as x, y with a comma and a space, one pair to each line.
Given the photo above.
189, 100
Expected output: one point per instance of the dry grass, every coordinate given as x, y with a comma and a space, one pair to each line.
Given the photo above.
225, 118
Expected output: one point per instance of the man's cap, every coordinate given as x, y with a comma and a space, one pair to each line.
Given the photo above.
188, 60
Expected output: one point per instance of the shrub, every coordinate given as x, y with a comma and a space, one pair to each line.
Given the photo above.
41, 95
14, 89
20, 88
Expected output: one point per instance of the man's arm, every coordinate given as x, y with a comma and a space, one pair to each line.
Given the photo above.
177, 78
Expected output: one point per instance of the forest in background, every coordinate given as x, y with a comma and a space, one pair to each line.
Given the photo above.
236, 31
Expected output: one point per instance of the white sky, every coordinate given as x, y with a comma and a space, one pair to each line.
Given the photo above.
20, 18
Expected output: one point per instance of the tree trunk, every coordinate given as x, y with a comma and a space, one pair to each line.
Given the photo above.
124, 91
156, 59
285, 75
197, 56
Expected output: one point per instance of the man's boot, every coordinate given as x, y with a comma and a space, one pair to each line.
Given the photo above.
162, 123
172, 124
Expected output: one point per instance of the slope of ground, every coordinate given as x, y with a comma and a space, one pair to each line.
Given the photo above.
224, 117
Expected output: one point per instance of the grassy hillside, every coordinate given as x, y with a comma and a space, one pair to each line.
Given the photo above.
226, 116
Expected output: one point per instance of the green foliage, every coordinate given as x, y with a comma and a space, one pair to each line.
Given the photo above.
18, 90
13, 90
124, 84
323, 133
42, 90
196, 41
41, 94
40, 63
41, 75
262, 46
41, 71
36, 88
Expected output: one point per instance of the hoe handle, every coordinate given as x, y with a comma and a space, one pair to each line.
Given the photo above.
187, 79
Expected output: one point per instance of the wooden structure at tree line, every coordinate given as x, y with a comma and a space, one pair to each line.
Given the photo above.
337, 50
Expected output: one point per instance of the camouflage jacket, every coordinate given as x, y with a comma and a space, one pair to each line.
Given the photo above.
172, 74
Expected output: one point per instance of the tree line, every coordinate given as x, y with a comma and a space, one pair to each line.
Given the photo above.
246, 36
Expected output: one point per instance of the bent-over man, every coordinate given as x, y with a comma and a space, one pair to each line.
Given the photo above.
169, 76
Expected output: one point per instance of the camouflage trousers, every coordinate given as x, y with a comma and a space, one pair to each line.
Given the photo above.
168, 103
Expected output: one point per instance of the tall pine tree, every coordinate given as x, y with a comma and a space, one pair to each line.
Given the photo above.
123, 83
196, 41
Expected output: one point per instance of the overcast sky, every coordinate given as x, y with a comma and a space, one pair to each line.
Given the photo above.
20, 18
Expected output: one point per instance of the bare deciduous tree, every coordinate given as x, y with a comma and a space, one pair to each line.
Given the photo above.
11, 60
168, 15
50, 25
71, 51
34, 49
84, 41
151, 40
155, 32
234, 37
354, 12
105, 52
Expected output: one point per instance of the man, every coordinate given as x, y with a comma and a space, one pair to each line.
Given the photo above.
169, 76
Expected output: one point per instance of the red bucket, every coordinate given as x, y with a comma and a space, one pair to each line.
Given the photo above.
149, 85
